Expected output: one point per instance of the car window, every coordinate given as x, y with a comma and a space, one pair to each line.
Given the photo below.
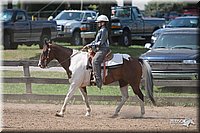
6, 15
20, 16
121, 12
70, 16
172, 41
93, 15
136, 12
87, 15
184, 22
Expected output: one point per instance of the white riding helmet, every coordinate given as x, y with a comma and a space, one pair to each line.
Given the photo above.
102, 18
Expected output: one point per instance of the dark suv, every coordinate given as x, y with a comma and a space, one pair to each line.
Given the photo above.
175, 46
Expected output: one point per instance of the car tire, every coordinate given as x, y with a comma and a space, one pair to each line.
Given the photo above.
44, 37
76, 38
125, 39
8, 43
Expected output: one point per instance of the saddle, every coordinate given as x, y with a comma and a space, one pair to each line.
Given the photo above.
110, 61
108, 56
91, 54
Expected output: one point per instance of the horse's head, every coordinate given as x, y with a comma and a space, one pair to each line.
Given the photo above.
46, 55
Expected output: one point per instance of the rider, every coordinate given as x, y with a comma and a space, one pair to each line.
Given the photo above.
101, 47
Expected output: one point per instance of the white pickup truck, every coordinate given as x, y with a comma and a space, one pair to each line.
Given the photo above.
71, 25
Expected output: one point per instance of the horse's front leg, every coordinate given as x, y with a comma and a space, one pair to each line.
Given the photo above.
85, 99
69, 95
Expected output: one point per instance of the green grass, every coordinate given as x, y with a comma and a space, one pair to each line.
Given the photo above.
33, 52
61, 89
57, 89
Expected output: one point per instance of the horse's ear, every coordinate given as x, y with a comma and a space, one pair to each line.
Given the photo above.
47, 42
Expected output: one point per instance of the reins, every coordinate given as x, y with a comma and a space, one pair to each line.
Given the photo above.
68, 58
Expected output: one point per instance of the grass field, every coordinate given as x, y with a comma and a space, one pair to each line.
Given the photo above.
33, 52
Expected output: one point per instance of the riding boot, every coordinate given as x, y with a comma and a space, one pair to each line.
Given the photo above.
96, 81
97, 76
99, 83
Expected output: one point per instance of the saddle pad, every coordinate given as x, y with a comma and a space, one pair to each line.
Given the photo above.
116, 60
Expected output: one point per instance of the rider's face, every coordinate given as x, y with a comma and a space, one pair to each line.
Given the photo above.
101, 24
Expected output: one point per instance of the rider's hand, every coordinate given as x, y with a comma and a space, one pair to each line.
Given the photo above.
85, 47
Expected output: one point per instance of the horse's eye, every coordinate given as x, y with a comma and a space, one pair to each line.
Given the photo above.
45, 53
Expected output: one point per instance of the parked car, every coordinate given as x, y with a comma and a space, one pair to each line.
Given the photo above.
19, 29
175, 46
186, 21
70, 24
127, 23
179, 22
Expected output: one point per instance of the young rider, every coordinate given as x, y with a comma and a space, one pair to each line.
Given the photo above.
101, 47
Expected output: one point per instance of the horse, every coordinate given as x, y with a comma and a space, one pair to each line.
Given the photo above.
131, 72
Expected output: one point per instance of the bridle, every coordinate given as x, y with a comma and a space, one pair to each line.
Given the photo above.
46, 57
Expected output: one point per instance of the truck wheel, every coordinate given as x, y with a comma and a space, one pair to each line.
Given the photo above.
76, 38
8, 44
7, 41
125, 39
43, 38
14, 46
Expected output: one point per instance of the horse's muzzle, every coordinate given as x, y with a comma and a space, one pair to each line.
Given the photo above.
40, 65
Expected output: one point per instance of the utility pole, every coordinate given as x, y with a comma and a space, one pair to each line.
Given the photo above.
10, 5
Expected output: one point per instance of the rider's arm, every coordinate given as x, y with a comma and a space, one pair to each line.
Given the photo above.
101, 38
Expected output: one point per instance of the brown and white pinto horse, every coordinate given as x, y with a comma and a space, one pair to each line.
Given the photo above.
74, 62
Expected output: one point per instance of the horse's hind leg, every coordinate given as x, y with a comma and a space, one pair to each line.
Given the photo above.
124, 92
142, 107
138, 92
85, 99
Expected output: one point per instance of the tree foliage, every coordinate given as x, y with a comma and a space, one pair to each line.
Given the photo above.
153, 8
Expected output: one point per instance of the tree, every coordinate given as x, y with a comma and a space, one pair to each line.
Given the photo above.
152, 8
10, 5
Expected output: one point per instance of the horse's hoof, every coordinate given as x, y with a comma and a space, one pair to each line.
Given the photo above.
142, 115
87, 114
114, 116
59, 115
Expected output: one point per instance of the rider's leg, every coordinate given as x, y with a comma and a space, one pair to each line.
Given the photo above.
96, 63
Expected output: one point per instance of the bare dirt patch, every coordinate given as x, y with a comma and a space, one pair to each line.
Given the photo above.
34, 117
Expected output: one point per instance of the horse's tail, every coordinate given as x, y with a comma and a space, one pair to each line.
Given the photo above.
147, 74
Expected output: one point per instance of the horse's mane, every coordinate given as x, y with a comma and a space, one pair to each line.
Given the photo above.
61, 50
59, 46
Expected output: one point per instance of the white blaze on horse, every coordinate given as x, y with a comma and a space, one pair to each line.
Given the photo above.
130, 72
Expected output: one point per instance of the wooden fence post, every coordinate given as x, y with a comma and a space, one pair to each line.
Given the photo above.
27, 75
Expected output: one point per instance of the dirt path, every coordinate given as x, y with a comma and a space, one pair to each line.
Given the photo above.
32, 117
